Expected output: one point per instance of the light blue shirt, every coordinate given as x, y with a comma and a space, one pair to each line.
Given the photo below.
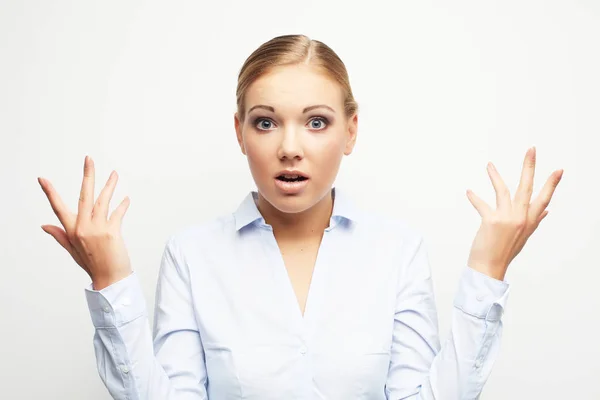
227, 324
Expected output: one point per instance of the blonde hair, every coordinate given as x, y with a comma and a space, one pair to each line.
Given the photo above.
288, 50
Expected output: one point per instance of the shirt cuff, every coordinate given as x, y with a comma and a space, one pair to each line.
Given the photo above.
481, 296
116, 304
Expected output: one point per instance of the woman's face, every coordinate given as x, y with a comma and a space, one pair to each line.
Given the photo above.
295, 121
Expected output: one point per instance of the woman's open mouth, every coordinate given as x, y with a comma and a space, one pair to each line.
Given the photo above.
291, 183
291, 178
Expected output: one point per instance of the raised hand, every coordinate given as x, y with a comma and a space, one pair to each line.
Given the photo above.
91, 237
504, 231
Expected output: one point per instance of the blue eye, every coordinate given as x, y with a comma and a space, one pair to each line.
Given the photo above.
265, 124
260, 124
323, 123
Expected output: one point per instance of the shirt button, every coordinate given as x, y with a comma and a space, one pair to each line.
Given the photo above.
478, 364
303, 350
124, 369
106, 309
480, 297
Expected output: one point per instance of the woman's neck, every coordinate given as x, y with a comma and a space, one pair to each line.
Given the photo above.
307, 223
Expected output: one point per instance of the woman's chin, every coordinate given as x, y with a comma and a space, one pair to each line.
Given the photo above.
287, 203
295, 203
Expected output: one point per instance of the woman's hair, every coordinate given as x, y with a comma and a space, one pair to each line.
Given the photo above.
289, 50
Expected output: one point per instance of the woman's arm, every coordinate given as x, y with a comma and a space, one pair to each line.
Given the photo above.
419, 368
131, 364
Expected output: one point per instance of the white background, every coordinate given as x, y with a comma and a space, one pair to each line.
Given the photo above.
148, 89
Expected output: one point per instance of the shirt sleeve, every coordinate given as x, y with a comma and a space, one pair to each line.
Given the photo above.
135, 365
421, 368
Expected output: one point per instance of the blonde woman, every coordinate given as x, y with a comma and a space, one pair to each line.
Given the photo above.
297, 294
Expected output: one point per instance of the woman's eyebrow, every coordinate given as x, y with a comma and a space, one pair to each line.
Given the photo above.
307, 109
262, 106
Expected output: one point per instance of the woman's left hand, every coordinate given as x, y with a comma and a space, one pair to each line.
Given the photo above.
504, 231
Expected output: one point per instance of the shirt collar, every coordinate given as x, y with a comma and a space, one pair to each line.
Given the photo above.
343, 209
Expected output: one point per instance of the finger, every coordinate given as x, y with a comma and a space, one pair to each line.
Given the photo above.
61, 237
525, 189
119, 212
543, 199
537, 222
86, 196
58, 206
502, 192
102, 204
481, 206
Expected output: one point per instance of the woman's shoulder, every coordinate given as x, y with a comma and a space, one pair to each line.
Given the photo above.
371, 220
390, 225
205, 233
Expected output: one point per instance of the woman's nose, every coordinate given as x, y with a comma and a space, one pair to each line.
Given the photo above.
291, 144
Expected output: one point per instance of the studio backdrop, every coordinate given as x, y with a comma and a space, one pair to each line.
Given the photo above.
147, 88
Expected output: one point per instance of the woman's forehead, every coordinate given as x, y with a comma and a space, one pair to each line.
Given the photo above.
295, 86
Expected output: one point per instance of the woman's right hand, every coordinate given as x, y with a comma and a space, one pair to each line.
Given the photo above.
91, 237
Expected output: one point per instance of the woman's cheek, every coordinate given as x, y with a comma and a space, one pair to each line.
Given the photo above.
330, 153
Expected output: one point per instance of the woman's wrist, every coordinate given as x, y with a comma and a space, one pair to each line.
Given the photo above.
496, 272
105, 281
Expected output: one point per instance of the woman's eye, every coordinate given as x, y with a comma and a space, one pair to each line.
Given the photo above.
263, 124
318, 123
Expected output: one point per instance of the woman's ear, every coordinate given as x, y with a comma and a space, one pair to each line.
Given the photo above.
238, 132
352, 132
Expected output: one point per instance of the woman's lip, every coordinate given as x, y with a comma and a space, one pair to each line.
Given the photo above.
291, 172
294, 187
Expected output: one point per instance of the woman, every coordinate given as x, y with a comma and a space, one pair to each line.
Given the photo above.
297, 294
